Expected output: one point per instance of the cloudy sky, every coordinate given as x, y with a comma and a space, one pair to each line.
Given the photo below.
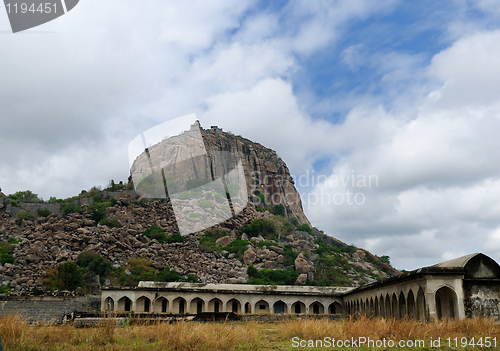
387, 111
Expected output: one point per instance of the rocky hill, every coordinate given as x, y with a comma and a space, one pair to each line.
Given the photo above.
118, 237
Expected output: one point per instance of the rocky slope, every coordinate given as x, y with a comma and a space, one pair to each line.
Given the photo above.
43, 242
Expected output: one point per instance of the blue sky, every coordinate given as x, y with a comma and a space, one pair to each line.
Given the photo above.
407, 91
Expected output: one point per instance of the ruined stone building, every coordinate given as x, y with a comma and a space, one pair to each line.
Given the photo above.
468, 286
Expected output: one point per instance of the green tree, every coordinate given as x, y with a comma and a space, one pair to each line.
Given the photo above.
385, 259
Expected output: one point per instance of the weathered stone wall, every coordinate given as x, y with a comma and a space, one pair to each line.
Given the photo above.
47, 309
482, 299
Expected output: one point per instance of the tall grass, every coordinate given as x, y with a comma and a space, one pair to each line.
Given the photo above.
379, 328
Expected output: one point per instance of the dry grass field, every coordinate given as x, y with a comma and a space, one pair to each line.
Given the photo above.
251, 336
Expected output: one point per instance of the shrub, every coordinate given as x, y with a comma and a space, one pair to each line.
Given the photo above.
271, 277
262, 198
113, 202
97, 211
194, 215
219, 198
43, 212
215, 233
155, 233
294, 221
278, 210
70, 208
205, 204
25, 196
25, 215
385, 259
93, 262
238, 247
233, 190
174, 238
67, 276
289, 255
110, 222
305, 228
257, 227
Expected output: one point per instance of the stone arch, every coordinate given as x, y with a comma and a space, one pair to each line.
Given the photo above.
280, 307
197, 305
298, 307
109, 304
358, 307
376, 311
143, 304
446, 303
215, 305
410, 305
421, 305
179, 305
394, 309
125, 304
402, 305
335, 308
371, 309
233, 305
388, 310
262, 307
161, 305
316, 308
381, 306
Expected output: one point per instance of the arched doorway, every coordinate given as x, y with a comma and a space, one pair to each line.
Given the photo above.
421, 305
395, 310
197, 305
335, 308
411, 305
262, 307
248, 308
316, 308
233, 305
143, 304
388, 310
215, 305
125, 304
298, 307
109, 304
179, 305
446, 303
402, 306
279, 307
161, 305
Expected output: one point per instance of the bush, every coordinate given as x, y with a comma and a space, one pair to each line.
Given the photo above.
385, 259
271, 277
155, 233
257, 227
219, 198
110, 222
289, 255
94, 263
97, 211
113, 202
174, 238
305, 228
238, 248
70, 208
278, 210
67, 276
25, 196
205, 204
262, 198
294, 221
44, 212
194, 215
25, 215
